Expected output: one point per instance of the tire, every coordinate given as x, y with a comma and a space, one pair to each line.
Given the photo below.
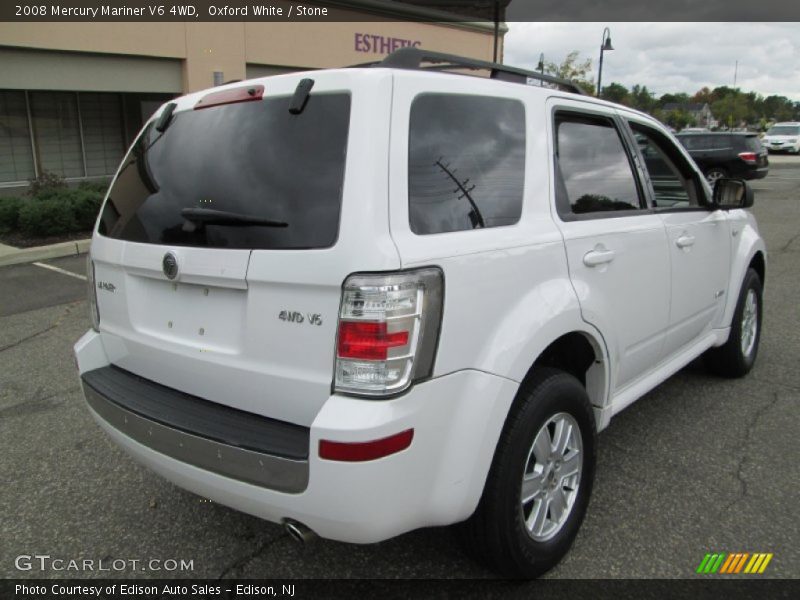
497, 534
715, 173
737, 356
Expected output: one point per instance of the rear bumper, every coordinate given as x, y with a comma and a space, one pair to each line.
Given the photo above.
213, 437
758, 173
438, 480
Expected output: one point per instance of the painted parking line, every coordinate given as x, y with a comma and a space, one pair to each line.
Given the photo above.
59, 270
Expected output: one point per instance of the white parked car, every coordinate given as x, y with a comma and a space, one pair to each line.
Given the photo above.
783, 137
362, 301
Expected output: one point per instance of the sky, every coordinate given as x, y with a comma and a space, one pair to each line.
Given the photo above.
671, 57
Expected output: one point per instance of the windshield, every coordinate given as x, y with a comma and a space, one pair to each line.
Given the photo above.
253, 159
784, 130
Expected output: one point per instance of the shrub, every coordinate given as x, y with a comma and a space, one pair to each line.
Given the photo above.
85, 205
42, 218
54, 210
9, 213
46, 185
101, 187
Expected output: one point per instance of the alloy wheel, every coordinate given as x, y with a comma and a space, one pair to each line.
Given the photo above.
551, 477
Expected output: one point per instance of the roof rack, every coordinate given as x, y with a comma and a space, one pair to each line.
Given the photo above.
413, 58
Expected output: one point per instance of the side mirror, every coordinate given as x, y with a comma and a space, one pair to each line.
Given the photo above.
732, 193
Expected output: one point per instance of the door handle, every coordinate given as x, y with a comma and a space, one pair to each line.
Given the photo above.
594, 258
685, 240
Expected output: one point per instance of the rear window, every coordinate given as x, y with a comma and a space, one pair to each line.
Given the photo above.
752, 143
251, 159
466, 162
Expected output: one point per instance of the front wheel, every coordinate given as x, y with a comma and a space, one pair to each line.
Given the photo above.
738, 355
540, 481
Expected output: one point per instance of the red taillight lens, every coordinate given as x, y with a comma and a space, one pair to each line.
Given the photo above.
248, 93
368, 341
388, 330
361, 451
748, 156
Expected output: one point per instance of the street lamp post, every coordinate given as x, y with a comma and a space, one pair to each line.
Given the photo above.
605, 44
540, 67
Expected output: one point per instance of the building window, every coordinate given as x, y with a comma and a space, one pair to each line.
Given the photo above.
72, 134
103, 141
16, 158
56, 133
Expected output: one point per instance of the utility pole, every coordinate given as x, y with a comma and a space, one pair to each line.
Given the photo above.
735, 73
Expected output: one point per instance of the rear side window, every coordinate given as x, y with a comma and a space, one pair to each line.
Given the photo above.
752, 143
253, 160
722, 142
594, 169
466, 162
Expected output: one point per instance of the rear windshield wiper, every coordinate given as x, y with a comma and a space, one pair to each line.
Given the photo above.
207, 216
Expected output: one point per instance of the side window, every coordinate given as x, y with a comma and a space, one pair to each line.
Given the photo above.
594, 172
673, 179
722, 142
466, 162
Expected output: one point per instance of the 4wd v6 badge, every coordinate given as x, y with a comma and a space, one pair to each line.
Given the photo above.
297, 317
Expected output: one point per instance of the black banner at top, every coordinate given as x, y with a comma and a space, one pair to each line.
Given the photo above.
486, 11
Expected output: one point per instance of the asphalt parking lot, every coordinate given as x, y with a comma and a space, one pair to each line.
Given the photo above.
699, 465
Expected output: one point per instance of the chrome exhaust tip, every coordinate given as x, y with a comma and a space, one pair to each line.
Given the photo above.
298, 532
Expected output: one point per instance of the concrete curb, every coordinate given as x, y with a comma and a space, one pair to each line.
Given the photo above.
27, 255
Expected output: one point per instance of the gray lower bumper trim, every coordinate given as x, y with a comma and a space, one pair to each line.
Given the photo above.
273, 472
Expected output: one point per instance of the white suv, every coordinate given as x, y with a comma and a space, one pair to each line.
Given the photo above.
368, 300
783, 137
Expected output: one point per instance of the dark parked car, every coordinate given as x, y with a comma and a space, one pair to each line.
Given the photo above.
718, 155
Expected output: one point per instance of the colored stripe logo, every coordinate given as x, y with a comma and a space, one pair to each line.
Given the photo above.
734, 563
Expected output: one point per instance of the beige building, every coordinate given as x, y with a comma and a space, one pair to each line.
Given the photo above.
73, 95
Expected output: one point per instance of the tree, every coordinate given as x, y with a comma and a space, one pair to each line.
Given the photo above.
673, 99
704, 96
641, 99
777, 108
732, 109
679, 119
615, 92
575, 70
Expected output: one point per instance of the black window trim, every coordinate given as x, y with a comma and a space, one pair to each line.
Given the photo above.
633, 159
645, 176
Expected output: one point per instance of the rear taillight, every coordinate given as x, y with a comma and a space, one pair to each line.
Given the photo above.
748, 157
91, 294
388, 331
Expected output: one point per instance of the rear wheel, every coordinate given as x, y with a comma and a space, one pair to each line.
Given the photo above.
541, 479
738, 355
715, 173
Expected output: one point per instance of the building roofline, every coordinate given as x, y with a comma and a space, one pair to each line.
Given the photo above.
412, 12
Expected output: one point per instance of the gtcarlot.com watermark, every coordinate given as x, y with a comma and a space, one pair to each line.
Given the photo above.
45, 562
